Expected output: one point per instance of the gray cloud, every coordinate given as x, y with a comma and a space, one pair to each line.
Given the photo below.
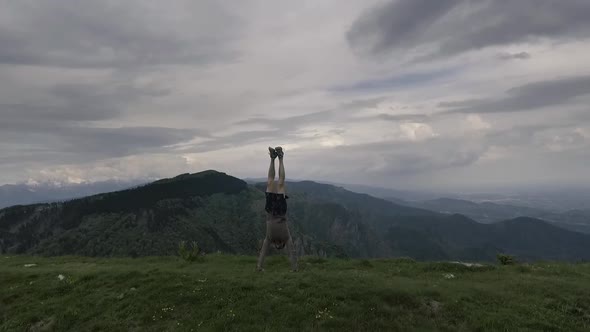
97, 89
116, 142
105, 53
527, 97
426, 163
87, 34
67, 104
514, 56
241, 138
581, 117
521, 135
36, 115
396, 23
443, 28
293, 121
403, 117
420, 157
528, 136
61, 123
342, 112
82, 144
392, 161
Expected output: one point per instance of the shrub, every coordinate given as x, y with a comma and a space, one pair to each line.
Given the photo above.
365, 263
189, 254
506, 259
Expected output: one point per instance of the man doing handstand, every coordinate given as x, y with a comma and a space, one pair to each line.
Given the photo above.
277, 231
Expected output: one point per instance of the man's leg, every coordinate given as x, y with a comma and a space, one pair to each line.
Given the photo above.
280, 153
270, 188
281, 190
263, 251
270, 182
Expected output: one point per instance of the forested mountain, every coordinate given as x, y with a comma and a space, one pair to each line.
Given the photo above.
223, 213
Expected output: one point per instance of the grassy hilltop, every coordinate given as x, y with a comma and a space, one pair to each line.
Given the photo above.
223, 293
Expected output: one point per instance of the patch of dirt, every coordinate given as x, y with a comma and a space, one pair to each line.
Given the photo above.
43, 326
433, 307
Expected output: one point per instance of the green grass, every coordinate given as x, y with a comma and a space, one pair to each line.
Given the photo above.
224, 293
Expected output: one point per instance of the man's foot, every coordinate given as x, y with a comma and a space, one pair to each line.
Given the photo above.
272, 152
259, 269
280, 152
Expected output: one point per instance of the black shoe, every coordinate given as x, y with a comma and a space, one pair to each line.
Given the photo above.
273, 154
279, 152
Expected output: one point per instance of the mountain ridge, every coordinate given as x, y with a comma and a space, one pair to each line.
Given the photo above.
490, 212
224, 213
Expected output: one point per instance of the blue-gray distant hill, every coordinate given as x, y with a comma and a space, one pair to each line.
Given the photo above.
19, 194
489, 212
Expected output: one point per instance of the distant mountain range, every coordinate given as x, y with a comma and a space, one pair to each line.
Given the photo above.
569, 210
546, 199
488, 212
223, 213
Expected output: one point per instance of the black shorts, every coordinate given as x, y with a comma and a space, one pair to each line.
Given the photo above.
276, 204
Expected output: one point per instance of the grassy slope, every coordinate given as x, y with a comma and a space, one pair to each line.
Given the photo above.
224, 293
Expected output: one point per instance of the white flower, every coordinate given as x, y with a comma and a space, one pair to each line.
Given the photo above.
449, 275
61, 277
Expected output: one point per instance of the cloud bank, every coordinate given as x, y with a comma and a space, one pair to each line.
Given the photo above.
450, 94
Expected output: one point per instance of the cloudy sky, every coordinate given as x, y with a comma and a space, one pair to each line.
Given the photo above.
447, 94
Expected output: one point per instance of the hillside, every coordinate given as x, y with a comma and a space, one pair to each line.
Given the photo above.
223, 293
458, 237
223, 213
576, 220
148, 220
